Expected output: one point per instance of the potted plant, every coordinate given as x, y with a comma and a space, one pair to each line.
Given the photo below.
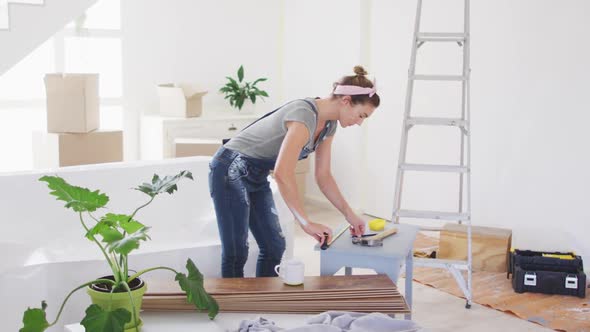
238, 91
116, 299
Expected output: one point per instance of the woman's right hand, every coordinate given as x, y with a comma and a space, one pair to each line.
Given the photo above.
317, 231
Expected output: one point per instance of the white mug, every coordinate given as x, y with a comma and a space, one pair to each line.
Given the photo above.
291, 271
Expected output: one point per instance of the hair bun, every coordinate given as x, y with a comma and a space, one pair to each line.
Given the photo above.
360, 71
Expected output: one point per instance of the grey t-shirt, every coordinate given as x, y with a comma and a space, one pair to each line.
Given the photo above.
263, 139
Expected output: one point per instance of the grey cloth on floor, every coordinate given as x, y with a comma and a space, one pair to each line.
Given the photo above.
359, 322
339, 321
260, 324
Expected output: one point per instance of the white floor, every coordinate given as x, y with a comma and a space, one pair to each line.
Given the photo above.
433, 309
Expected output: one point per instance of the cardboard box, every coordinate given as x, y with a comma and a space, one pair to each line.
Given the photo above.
301, 170
181, 100
52, 150
301, 186
72, 103
302, 166
489, 246
186, 147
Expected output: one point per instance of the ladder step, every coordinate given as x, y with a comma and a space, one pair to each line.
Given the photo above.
434, 168
437, 122
438, 77
442, 36
431, 215
441, 263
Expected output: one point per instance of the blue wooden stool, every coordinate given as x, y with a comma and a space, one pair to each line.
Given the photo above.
388, 259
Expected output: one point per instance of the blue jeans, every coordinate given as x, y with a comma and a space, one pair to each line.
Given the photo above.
243, 199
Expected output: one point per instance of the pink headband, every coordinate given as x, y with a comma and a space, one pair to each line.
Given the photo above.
352, 90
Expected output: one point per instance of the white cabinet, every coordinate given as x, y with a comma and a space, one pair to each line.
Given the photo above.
158, 133
188, 147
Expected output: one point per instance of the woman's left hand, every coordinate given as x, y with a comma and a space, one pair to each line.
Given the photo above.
357, 224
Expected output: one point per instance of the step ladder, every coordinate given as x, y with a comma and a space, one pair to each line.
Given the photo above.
463, 214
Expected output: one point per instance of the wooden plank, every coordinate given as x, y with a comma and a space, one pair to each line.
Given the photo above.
282, 295
302, 311
275, 285
386, 300
379, 305
363, 293
270, 308
310, 300
290, 296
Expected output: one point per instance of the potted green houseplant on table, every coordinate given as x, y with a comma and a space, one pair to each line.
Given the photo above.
116, 299
238, 91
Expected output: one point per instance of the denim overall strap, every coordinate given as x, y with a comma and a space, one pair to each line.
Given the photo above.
305, 151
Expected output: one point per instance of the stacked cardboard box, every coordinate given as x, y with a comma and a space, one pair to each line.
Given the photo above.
181, 100
72, 136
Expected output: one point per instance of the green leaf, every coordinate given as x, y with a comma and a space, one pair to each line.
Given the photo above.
195, 291
166, 184
100, 227
78, 198
130, 242
232, 83
99, 320
241, 73
35, 320
259, 80
132, 226
107, 227
110, 235
253, 98
263, 93
124, 221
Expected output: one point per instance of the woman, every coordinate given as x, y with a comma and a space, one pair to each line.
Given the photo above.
239, 170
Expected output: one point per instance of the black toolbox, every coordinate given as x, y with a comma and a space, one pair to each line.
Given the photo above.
547, 272
549, 282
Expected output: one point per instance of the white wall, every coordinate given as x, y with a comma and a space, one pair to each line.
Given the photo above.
197, 42
290, 42
529, 116
322, 44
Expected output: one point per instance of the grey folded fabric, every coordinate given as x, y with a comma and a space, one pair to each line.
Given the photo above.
260, 324
359, 322
336, 321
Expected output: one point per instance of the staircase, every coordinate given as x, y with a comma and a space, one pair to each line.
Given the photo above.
26, 24
5, 16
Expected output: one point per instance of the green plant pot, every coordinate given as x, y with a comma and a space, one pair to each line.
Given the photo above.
104, 298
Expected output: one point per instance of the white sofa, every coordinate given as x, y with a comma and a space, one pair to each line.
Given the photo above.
44, 253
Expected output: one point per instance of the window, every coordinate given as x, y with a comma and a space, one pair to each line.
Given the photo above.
96, 55
22, 82
89, 44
